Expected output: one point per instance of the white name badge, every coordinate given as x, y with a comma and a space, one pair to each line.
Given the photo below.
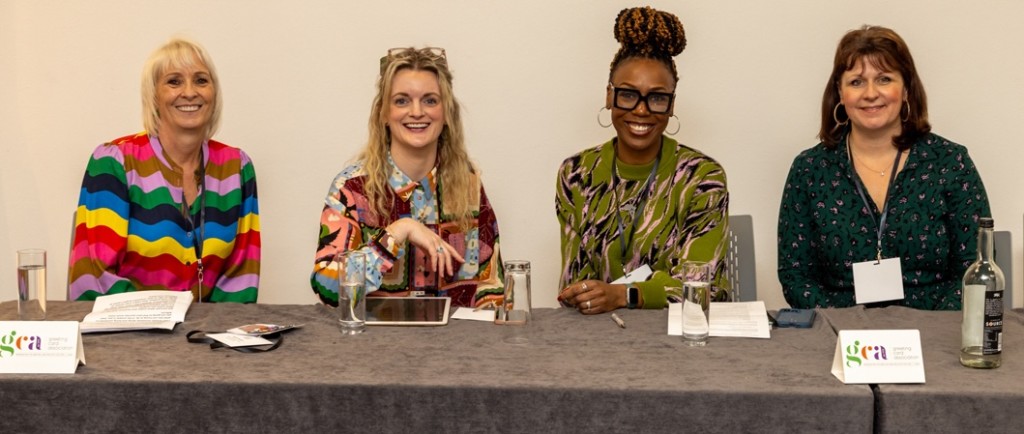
875, 281
879, 357
639, 275
40, 347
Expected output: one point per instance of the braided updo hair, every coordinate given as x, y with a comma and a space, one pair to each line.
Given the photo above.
649, 33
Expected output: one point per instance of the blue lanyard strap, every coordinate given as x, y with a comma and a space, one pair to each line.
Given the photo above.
623, 246
888, 193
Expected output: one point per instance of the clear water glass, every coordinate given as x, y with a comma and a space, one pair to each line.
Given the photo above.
32, 284
351, 268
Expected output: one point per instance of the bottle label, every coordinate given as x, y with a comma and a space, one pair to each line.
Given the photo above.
993, 335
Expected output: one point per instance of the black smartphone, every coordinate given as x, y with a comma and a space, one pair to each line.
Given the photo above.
799, 318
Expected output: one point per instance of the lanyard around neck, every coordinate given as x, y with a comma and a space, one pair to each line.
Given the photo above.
197, 239
863, 197
623, 246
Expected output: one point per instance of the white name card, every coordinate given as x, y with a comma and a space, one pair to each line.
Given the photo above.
40, 347
875, 281
879, 357
233, 340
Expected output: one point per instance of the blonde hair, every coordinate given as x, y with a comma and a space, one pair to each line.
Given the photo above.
176, 53
459, 193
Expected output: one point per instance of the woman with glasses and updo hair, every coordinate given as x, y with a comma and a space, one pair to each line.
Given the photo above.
880, 189
640, 199
412, 202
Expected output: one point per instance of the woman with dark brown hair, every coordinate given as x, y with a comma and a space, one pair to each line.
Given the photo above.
879, 187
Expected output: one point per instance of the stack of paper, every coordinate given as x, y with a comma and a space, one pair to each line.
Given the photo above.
748, 319
140, 310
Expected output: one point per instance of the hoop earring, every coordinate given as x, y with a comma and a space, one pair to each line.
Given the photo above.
599, 118
906, 118
835, 115
679, 125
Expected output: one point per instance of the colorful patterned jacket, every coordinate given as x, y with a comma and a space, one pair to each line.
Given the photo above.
131, 234
685, 217
398, 270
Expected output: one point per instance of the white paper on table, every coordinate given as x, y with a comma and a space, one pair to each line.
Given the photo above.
694, 320
748, 319
234, 340
473, 314
639, 275
137, 311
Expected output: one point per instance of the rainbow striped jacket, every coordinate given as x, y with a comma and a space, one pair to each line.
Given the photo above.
131, 233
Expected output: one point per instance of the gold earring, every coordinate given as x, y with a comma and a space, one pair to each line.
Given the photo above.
679, 125
835, 115
599, 117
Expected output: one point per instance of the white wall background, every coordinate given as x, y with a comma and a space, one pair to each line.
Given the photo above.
298, 79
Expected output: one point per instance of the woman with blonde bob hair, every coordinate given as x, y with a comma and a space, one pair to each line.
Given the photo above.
412, 202
169, 208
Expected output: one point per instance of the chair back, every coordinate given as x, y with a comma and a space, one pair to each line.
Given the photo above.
741, 267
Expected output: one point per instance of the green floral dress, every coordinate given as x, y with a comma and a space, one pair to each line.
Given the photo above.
825, 227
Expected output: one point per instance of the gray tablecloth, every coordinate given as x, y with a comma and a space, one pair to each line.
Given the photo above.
954, 398
576, 374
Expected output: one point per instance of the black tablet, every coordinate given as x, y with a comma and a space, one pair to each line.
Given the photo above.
408, 311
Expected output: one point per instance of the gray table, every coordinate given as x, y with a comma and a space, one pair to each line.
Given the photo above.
577, 374
954, 398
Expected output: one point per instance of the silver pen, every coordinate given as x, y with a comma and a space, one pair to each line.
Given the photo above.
618, 320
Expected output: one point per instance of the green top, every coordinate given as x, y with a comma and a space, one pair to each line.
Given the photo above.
684, 217
932, 226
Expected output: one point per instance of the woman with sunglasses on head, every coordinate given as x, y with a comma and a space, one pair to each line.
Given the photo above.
170, 208
640, 199
412, 202
879, 187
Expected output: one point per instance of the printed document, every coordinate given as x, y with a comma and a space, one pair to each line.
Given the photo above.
747, 319
140, 310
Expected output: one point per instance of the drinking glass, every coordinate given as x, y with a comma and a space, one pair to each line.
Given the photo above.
32, 284
516, 306
696, 302
351, 268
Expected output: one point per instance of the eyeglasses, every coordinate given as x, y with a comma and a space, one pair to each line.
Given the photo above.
629, 99
394, 53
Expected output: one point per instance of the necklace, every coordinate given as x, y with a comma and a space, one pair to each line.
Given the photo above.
864, 165
849, 148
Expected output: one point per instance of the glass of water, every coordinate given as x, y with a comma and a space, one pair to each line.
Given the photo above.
516, 307
696, 302
351, 268
31, 284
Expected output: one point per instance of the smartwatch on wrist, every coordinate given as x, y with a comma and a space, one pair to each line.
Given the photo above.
632, 296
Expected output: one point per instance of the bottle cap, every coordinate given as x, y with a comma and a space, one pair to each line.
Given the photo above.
986, 222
